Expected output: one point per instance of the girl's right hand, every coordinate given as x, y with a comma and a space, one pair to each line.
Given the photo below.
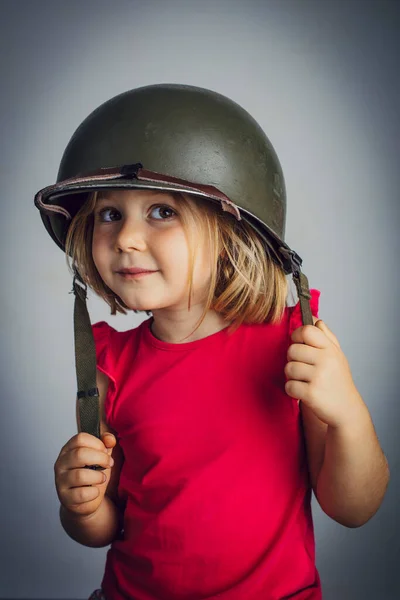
79, 489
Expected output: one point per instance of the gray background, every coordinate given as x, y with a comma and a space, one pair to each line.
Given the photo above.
321, 77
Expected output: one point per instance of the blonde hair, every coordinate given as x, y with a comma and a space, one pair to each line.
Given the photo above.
247, 286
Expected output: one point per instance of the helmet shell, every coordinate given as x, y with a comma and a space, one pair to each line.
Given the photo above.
185, 132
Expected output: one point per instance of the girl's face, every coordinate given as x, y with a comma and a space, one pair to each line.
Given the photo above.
143, 229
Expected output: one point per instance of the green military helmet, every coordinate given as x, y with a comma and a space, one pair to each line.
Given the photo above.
187, 133
175, 138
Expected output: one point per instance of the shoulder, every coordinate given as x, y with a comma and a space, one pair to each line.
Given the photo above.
104, 333
110, 343
295, 315
103, 329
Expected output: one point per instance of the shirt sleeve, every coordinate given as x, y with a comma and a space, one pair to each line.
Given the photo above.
105, 360
295, 311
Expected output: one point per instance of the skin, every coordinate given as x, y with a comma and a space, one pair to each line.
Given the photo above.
142, 228
319, 375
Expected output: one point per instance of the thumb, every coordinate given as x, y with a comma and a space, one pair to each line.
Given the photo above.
329, 334
109, 441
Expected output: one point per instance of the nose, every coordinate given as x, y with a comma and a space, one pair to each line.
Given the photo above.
130, 236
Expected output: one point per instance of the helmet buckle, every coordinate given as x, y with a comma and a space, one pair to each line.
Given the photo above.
131, 171
79, 287
293, 257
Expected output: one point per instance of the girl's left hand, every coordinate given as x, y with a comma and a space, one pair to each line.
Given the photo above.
319, 375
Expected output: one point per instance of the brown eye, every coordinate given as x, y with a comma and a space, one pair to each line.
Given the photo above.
104, 211
166, 212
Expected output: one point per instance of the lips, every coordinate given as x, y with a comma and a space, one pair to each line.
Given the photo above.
135, 270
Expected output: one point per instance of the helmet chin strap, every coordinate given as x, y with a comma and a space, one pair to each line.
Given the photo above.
85, 350
303, 292
85, 363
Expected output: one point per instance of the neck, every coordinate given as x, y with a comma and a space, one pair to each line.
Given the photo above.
176, 327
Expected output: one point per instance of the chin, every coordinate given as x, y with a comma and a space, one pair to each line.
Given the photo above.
143, 306
151, 300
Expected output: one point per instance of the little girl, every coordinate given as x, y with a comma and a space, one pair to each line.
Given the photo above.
170, 199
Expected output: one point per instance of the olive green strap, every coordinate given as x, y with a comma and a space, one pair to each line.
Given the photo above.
303, 292
294, 263
85, 362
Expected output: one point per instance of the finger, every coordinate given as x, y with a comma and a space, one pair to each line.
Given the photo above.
310, 335
79, 478
80, 457
109, 441
108, 438
79, 495
83, 439
83, 457
302, 353
84, 477
297, 389
298, 371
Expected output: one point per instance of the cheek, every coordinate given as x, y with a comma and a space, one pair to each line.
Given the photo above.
204, 260
95, 249
172, 246
98, 251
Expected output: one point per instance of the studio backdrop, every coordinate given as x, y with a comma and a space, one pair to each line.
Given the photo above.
322, 80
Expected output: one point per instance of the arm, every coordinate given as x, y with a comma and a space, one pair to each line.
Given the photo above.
348, 470
355, 474
96, 530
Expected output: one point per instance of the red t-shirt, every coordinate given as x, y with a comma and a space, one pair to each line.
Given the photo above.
215, 486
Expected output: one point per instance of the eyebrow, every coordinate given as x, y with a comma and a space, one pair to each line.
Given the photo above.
100, 197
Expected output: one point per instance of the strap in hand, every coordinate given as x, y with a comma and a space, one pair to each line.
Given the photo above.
85, 362
304, 294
